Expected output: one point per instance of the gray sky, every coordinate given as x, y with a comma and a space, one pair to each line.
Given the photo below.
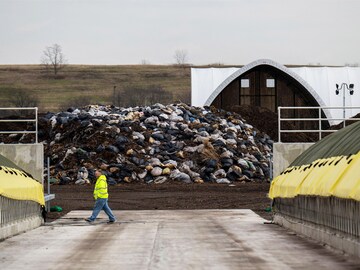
231, 32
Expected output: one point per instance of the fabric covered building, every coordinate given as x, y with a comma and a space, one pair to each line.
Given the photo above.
268, 84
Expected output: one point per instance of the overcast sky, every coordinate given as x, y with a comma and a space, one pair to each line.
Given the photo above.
234, 32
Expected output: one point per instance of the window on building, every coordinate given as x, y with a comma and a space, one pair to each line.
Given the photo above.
270, 83
258, 89
268, 94
245, 83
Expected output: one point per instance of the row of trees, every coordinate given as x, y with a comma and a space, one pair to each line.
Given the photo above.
53, 59
128, 97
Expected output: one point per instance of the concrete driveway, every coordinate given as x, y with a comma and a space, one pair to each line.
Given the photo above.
167, 239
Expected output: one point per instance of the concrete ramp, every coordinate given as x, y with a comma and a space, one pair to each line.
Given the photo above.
167, 239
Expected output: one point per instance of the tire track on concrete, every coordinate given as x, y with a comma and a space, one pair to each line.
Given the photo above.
244, 255
91, 248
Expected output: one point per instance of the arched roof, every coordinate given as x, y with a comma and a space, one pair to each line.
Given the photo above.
274, 64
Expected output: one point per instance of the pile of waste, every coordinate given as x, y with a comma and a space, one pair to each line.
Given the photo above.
154, 144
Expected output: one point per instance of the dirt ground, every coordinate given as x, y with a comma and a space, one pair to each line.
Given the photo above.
166, 196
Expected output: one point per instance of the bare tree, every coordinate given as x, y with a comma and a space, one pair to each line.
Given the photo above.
75, 102
142, 96
351, 64
183, 96
21, 98
145, 62
53, 58
181, 57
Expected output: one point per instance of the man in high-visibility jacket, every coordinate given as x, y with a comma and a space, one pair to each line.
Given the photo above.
101, 198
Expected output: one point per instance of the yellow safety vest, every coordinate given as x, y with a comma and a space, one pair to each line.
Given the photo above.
101, 191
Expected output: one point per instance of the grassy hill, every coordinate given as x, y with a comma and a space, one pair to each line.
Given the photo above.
78, 85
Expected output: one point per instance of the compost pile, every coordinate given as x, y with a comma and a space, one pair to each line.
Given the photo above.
153, 144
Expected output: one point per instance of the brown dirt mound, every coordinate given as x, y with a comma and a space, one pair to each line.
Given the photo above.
267, 121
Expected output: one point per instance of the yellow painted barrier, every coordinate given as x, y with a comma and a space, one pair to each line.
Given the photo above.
325, 173
348, 185
16, 184
287, 183
329, 177
337, 176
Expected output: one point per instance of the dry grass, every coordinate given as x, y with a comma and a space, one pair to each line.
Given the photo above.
95, 83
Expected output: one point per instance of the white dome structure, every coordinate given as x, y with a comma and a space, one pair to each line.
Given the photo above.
313, 86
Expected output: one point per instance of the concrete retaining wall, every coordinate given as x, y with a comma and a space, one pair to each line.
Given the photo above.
329, 237
285, 153
20, 226
29, 157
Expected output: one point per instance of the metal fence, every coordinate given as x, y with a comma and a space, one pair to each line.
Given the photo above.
4, 112
341, 215
15, 210
317, 121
